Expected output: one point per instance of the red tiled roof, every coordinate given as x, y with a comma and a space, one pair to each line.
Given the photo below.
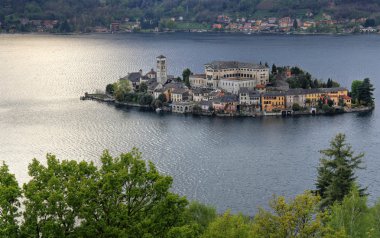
260, 86
345, 97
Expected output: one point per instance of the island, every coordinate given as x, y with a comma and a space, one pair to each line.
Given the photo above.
233, 88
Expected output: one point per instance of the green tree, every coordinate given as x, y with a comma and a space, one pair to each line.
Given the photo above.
143, 88
296, 107
53, 197
145, 99
329, 83
295, 24
131, 199
365, 93
110, 89
10, 193
201, 215
157, 104
297, 218
274, 69
355, 90
186, 77
375, 218
336, 172
229, 226
352, 216
121, 89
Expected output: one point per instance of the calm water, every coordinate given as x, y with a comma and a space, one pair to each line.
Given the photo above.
230, 163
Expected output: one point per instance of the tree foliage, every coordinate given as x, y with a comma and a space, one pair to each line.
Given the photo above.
229, 226
355, 89
336, 172
125, 196
365, 93
10, 194
352, 216
186, 77
298, 218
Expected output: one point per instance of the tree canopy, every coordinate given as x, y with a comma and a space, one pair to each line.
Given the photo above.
336, 173
126, 196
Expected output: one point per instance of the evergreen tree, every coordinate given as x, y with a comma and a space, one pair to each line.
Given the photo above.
186, 77
365, 93
336, 171
329, 83
274, 69
295, 24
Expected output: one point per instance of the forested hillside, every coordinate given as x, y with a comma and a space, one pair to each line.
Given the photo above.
82, 13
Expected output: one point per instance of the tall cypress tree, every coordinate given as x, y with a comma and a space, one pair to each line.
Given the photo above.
336, 173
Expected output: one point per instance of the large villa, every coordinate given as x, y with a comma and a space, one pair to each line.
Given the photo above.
231, 76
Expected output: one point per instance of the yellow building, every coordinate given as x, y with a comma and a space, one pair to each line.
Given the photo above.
335, 93
272, 101
312, 96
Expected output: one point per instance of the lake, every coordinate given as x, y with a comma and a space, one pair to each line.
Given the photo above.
236, 164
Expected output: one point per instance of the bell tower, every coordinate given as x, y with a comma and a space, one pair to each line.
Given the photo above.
162, 75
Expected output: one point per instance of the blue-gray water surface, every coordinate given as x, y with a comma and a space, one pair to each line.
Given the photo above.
235, 164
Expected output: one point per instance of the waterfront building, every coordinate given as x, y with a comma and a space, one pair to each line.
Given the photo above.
227, 104
293, 96
162, 76
231, 75
312, 96
249, 97
205, 105
271, 101
182, 107
335, 93
250, 101
201, 94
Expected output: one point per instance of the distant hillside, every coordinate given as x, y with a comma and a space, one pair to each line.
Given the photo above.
84, 13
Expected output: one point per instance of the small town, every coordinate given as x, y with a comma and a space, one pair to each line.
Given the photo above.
231, 88
308, 24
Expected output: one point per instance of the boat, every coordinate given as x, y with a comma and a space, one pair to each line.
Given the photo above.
158, 109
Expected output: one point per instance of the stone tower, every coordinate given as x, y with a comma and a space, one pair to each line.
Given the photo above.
162, 75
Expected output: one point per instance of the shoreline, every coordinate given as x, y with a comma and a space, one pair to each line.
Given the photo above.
193, 32
103, 98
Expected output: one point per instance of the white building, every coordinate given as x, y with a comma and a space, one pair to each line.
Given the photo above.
233, 85
231, 75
